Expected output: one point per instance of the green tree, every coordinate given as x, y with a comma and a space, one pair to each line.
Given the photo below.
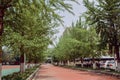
105, 16
19, 16
4, 4
77, 42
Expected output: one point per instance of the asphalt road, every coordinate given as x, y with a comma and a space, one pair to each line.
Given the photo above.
50, 72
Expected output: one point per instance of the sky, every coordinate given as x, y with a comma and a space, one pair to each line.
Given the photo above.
78, 9
68, 18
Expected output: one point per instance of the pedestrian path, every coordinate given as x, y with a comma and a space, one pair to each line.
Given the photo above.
45, 73
50, 72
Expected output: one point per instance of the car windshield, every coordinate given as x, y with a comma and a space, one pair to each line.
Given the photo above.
111, 62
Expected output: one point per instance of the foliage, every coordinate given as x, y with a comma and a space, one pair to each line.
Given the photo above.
77, 41
20, 76
28, 25
105, 15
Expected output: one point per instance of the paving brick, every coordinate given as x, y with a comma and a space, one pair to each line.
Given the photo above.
50, 72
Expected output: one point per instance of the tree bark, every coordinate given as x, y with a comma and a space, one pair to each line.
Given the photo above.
116, 51
29, 61
94, 64
2, 10
81, 59
22, 60
0, 60
1, 31
68, 62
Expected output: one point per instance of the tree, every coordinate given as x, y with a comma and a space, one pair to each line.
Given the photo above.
17, 14
77, 42
4, 4
105, 14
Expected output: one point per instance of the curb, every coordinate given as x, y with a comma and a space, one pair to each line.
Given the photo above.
102, 72
108, 73
97, 71
32, 75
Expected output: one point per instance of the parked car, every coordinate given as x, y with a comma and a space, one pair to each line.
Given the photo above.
104, 64
112, 65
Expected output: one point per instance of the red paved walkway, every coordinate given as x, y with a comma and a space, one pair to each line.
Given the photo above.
49, 72
10, 66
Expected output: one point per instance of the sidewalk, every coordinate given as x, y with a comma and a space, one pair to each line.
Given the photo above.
96, 71
44, 73
50, 72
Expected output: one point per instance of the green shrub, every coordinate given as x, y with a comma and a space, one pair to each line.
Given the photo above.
20, 76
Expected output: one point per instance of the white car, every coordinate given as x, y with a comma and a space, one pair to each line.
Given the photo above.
112, 65
108, 64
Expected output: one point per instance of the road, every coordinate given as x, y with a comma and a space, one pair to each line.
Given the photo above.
50, 72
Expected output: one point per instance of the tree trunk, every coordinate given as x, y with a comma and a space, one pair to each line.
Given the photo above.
0, 60
94, 64
68, 62
22, 60
2, 9
81, 59
74, 62
1, 31
63, 63
58, 63
29, 61
116, 51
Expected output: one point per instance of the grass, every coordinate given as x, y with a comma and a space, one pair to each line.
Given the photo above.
91, 69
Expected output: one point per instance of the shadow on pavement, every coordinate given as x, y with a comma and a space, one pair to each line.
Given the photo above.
44, 77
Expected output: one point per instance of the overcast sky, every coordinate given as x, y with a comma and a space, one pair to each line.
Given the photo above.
68, 18
77, 9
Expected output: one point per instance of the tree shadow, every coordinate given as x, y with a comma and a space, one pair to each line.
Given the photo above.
44, 76
90, 73
43, 68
